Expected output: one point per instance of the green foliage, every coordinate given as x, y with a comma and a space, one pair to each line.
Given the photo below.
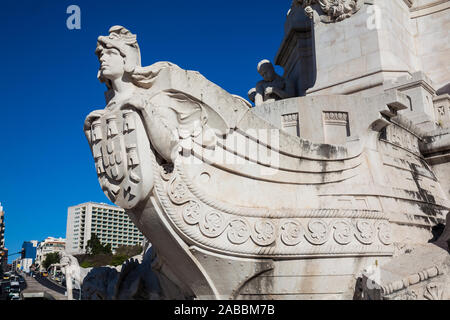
129, 251
99, 260
95, 247
86, 264
118, 259
102, 259
51, 258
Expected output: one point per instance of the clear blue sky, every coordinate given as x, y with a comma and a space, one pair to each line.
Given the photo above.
49, 85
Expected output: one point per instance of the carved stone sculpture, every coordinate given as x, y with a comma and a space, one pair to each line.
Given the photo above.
72, 271
272, 88
331, 10
236, 208
134, 280
100, 283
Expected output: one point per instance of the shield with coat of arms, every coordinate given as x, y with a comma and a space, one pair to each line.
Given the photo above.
112, 151
117, 153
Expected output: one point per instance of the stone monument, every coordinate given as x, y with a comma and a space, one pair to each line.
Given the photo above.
340, 192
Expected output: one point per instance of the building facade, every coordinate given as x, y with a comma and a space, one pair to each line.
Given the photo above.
28, 257
3, 251
49, 245
2, 227
110, 223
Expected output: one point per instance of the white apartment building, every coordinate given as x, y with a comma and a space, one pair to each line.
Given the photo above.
110, 223
50, 244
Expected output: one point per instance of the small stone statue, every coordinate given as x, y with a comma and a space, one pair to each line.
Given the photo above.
71, 269
273, 87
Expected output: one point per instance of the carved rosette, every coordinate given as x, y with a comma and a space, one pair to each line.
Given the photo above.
178, 192
318, 232
192, 213
213, 224
264, 232
343, 232
384, 232
292, 233
365, 231
239, 232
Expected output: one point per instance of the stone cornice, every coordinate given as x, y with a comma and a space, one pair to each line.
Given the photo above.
430, 8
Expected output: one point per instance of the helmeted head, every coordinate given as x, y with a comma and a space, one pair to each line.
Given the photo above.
118, 54
266, 70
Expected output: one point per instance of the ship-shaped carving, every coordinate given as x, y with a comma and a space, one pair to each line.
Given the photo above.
237, 208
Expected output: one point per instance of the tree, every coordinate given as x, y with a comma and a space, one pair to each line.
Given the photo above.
95, 247
51, 258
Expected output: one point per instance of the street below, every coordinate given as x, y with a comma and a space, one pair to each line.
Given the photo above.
40, 284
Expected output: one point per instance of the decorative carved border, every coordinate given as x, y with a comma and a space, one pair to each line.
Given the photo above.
411, 280
335, 117
257, 235
410, 288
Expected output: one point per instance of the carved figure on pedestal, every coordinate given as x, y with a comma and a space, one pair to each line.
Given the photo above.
331, 10
273, 87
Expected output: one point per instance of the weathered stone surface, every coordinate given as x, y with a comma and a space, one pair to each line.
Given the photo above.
236, 208
354, 47
421, 273
134, 280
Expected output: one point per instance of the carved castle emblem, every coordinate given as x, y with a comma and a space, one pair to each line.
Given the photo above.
116, 153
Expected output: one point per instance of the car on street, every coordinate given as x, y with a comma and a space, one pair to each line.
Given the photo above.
6, 286
14, 290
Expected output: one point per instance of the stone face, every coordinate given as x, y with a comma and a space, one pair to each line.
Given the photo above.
291, 199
